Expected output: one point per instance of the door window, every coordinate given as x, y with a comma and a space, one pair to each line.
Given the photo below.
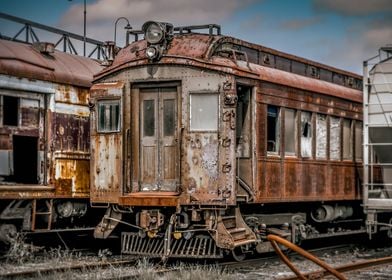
109, 116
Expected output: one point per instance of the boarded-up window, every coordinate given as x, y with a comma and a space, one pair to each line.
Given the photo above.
290, 131
321, 136
347, 140
334, 140
108, 116
358, 141
306, 134
29, 112
273, 128
204, 112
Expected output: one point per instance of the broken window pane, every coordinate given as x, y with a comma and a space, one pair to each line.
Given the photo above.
10, 110
321, 136
306, 134
334, 140
273, 128
347, 140
290, 131
204, 112
108, 116
358, 140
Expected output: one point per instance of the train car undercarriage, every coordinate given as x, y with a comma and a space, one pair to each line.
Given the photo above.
215, 233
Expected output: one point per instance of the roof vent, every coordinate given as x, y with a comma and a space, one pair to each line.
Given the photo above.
44, 47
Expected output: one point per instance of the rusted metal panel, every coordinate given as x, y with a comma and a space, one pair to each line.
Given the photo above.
306, 181
106, 147
166, 199
287, 96
71, 174
72, 95
22, 60
70, 132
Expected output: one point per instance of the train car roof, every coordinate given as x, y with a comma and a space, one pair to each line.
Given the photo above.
200, 50
26, 61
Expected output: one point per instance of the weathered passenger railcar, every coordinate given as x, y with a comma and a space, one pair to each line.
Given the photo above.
204, 143
44, 137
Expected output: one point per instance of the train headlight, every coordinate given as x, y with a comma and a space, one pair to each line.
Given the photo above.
152, 52
154, 32
158, 36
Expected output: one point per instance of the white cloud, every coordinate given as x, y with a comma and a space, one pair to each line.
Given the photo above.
102, 14
139, 11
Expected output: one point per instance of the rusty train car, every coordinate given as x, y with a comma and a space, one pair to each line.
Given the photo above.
203, 144
44, 138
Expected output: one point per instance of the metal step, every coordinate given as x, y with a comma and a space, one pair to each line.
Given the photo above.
199, 246
238, 233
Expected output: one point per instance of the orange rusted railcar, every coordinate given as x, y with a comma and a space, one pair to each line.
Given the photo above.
203, 144
44, 137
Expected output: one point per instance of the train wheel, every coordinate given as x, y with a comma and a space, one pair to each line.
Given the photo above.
7, 232
238, 254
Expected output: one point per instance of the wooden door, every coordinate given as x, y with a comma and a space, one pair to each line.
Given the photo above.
159, 155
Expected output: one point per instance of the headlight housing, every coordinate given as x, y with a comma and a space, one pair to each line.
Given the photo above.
158, 36
154, 32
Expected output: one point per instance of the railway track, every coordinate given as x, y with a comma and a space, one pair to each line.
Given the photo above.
159, 269
64, 268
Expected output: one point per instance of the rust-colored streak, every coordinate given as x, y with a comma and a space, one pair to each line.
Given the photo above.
310, 180
5, 142
273, 179
291, 177
146, 199
72, 175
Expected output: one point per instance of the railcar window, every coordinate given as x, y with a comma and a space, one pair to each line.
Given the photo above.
204, 112
334, 138
358, 141
108, 116
10, 110
306, 134
273, 128
321, 136
347, 140
290, 131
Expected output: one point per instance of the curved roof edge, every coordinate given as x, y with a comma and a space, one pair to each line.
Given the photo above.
22, 60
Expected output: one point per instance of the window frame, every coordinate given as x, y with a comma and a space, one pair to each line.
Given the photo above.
212, 93
340, 140
278, 131
326, 156
351, 141
295, 153
109, 101
311, 133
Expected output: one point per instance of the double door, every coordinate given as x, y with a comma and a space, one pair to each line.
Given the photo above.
158, 132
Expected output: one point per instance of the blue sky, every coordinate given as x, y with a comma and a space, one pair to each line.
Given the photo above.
341, 33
